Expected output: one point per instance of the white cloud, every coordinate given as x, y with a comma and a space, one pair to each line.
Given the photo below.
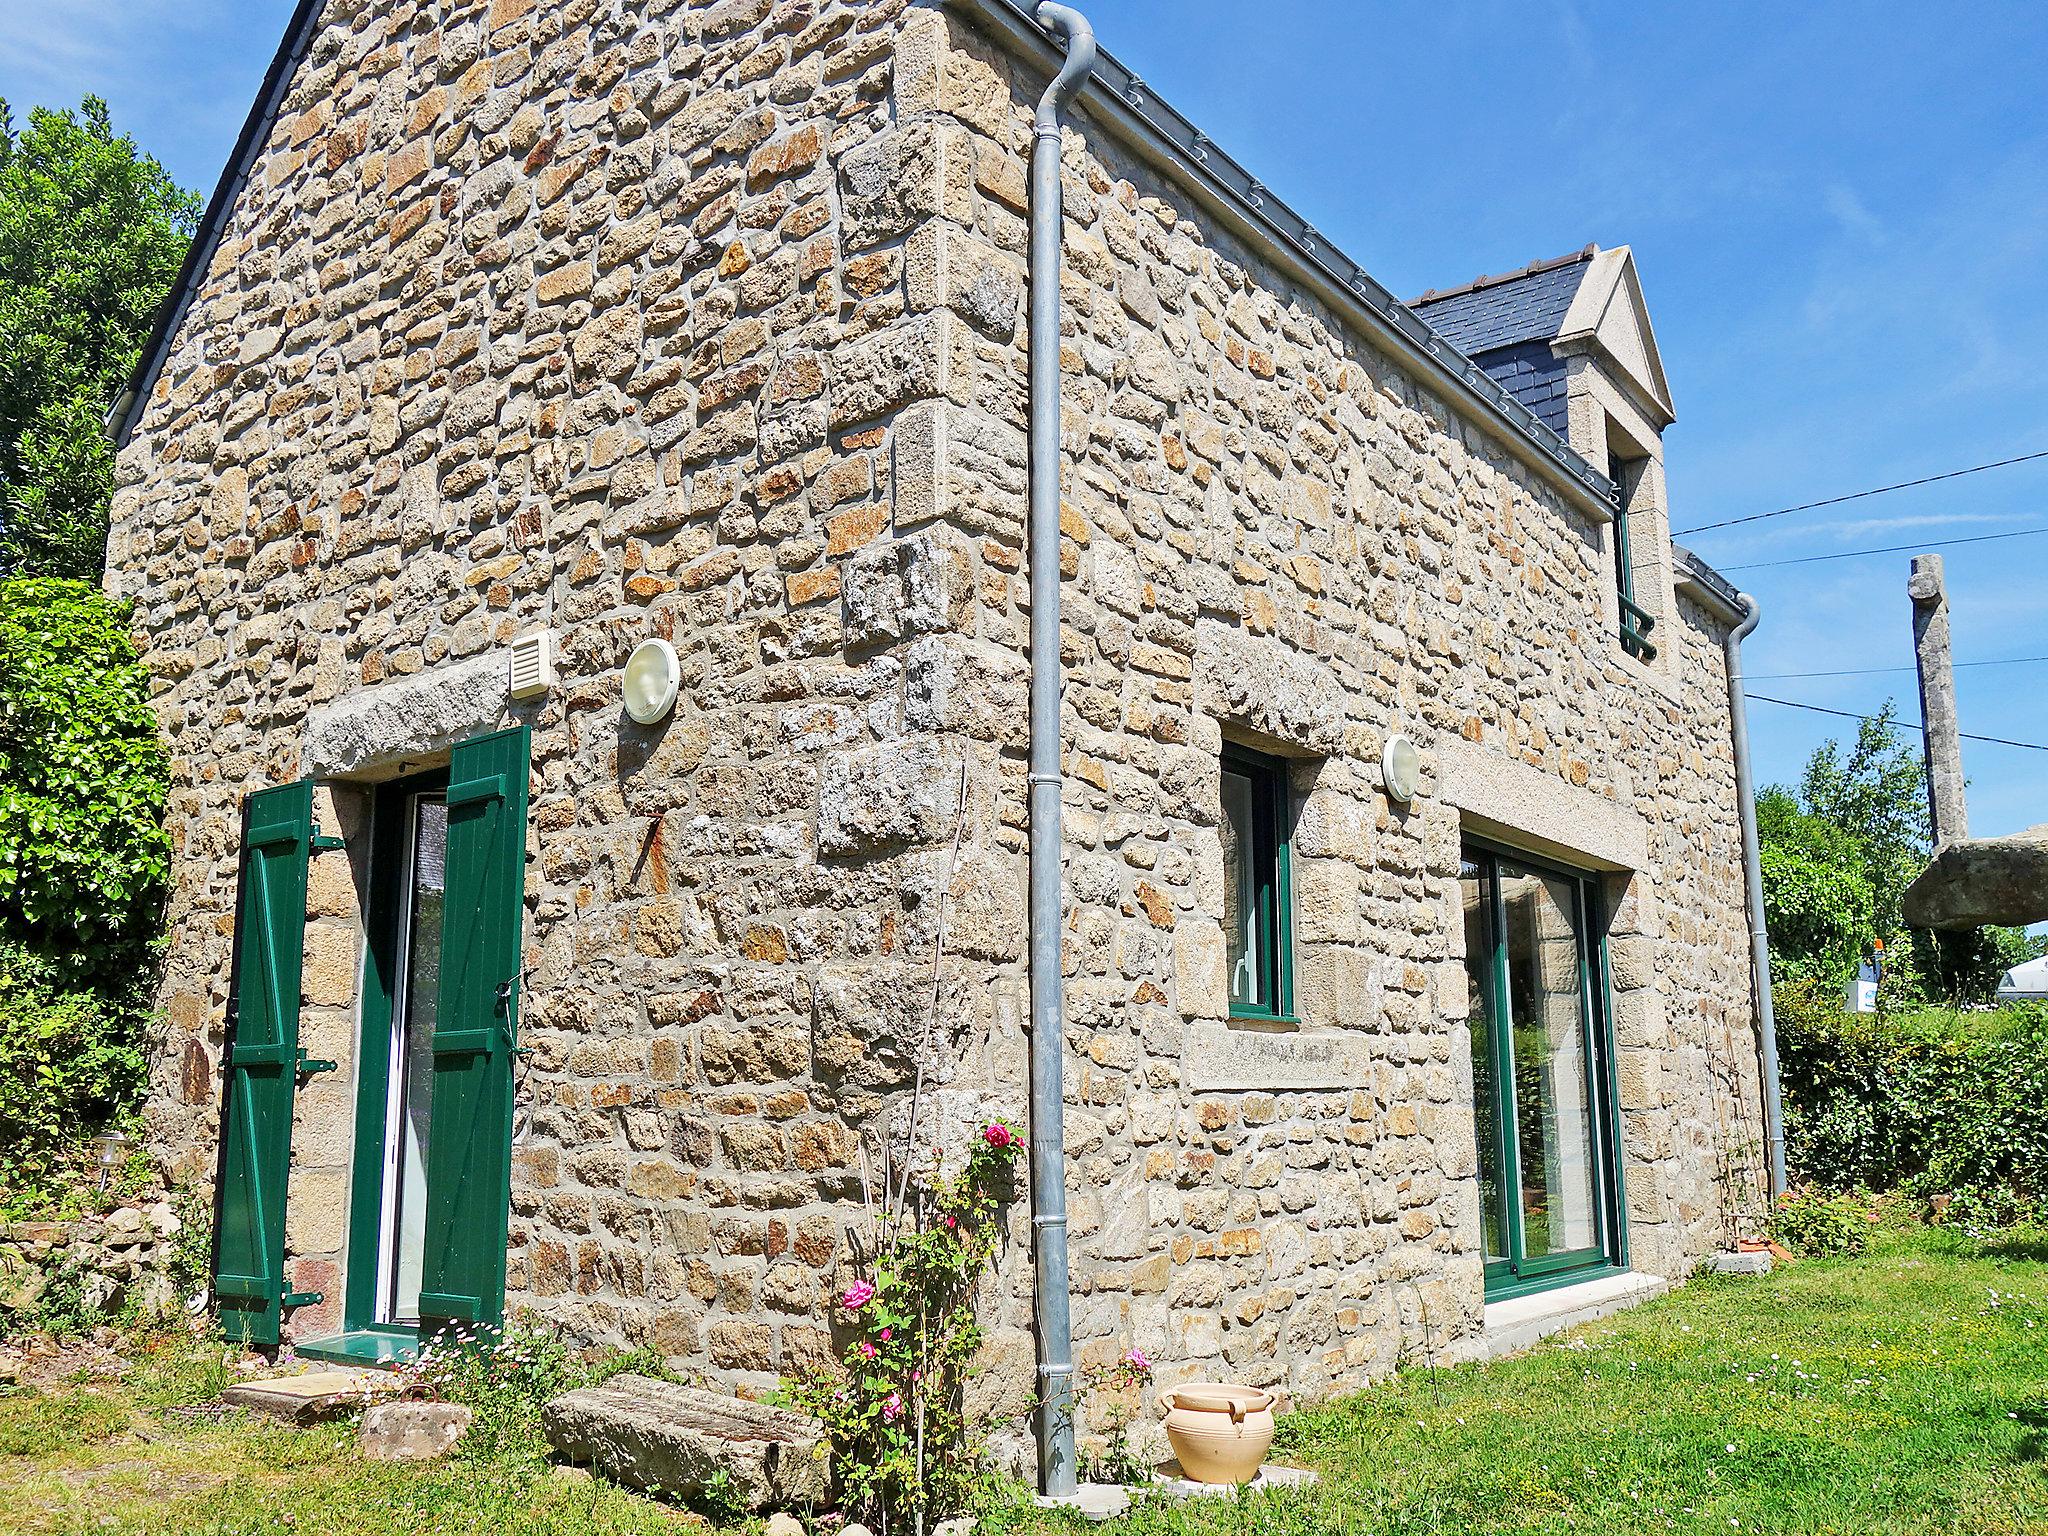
1853, 214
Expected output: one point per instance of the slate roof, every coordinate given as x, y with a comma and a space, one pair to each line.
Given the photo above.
1493, 312
1534, 375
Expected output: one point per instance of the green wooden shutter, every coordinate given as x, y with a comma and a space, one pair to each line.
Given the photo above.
262, 1062
469, 1149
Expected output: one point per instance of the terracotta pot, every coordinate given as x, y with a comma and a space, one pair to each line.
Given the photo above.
1220, 1432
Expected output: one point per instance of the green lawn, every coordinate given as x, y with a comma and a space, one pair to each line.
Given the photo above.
1903, 1391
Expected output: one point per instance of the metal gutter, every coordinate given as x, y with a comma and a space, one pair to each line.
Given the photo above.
1128, 108
1058, 1474
1708, 586
284, 66
1753, 890
1702, 582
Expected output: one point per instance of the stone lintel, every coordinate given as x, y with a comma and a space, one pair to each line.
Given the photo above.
1219, 1059
1498, 797
410, 718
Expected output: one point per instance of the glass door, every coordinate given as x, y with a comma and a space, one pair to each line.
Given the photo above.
409, 1083
1541, 1070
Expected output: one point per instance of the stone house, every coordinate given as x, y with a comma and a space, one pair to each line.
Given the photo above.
524, 332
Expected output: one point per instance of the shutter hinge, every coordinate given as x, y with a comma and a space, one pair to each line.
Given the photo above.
323, 840
310, 1066
504, 996
301, 1298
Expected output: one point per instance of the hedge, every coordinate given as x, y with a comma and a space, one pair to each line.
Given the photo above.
1938, 1102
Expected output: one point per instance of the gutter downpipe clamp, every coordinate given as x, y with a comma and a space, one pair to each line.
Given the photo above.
1058, 1473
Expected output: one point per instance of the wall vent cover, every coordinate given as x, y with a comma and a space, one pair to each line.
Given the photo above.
533, 666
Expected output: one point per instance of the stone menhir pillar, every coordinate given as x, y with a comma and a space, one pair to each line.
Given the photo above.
1938, 701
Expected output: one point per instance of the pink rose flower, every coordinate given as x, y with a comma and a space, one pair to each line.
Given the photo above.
892, 1407
997, 1134
867, 1350
857, 1295
885, 1334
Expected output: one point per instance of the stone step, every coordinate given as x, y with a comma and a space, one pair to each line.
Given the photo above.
658, 1435
312, 1395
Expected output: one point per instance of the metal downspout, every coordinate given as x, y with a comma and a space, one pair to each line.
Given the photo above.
1056, 1467
1753, 882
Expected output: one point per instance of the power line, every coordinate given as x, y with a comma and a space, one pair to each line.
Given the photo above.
2011, 661
1889, 549
1897, 725
1835, 501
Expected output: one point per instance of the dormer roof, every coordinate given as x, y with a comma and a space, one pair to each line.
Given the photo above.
1589, 301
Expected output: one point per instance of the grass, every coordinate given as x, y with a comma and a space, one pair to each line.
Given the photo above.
1903, 1391
1893, 1392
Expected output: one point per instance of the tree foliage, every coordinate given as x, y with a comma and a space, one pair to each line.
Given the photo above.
92, 233
83, 854
1837, 855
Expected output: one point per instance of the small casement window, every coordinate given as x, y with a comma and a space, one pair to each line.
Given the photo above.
1636, 623
1258, 913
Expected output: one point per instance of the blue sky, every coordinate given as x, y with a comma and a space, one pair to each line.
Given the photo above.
1840, 213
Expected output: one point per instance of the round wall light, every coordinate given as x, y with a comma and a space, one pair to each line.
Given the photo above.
653, 673
1401, 768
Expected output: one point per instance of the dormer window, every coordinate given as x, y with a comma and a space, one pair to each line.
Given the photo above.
1570, 339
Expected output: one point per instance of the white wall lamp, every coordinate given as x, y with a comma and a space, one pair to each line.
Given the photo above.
1401, 768
653, 674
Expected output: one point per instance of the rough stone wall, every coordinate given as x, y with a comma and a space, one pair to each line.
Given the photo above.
1276, 535
551, 317
701, 320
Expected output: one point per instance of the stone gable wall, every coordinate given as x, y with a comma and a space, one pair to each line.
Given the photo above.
705, 320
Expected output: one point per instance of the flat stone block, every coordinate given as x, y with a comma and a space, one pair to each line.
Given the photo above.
1758, 1263
312, 1396
657, 1435
1091, 1501
1513, 1326
1168, 1478
1216, 1058
412, 1431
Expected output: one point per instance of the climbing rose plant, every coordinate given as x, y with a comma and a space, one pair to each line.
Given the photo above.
893, 1408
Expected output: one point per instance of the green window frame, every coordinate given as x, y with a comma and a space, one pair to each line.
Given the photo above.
1259, 899
1636, 622
1513, 1271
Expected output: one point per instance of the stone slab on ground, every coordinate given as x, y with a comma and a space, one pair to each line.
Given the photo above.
312, 1395
1108, 1501
1091, 1501
1745, 1262
412, 1431
1514, 1325
1168, 1479
657, 1435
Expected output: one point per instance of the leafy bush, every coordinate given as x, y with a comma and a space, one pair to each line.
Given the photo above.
69, 1065
84, 857
1821, 1226
892, 1408
505, 1376
1923, 1099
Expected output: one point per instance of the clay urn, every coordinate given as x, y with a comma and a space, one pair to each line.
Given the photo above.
1219, 1431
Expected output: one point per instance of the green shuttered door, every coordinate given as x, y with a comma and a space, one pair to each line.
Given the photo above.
263, 1048
469, 1156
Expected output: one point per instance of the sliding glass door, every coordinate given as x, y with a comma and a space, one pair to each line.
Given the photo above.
1543, 1094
